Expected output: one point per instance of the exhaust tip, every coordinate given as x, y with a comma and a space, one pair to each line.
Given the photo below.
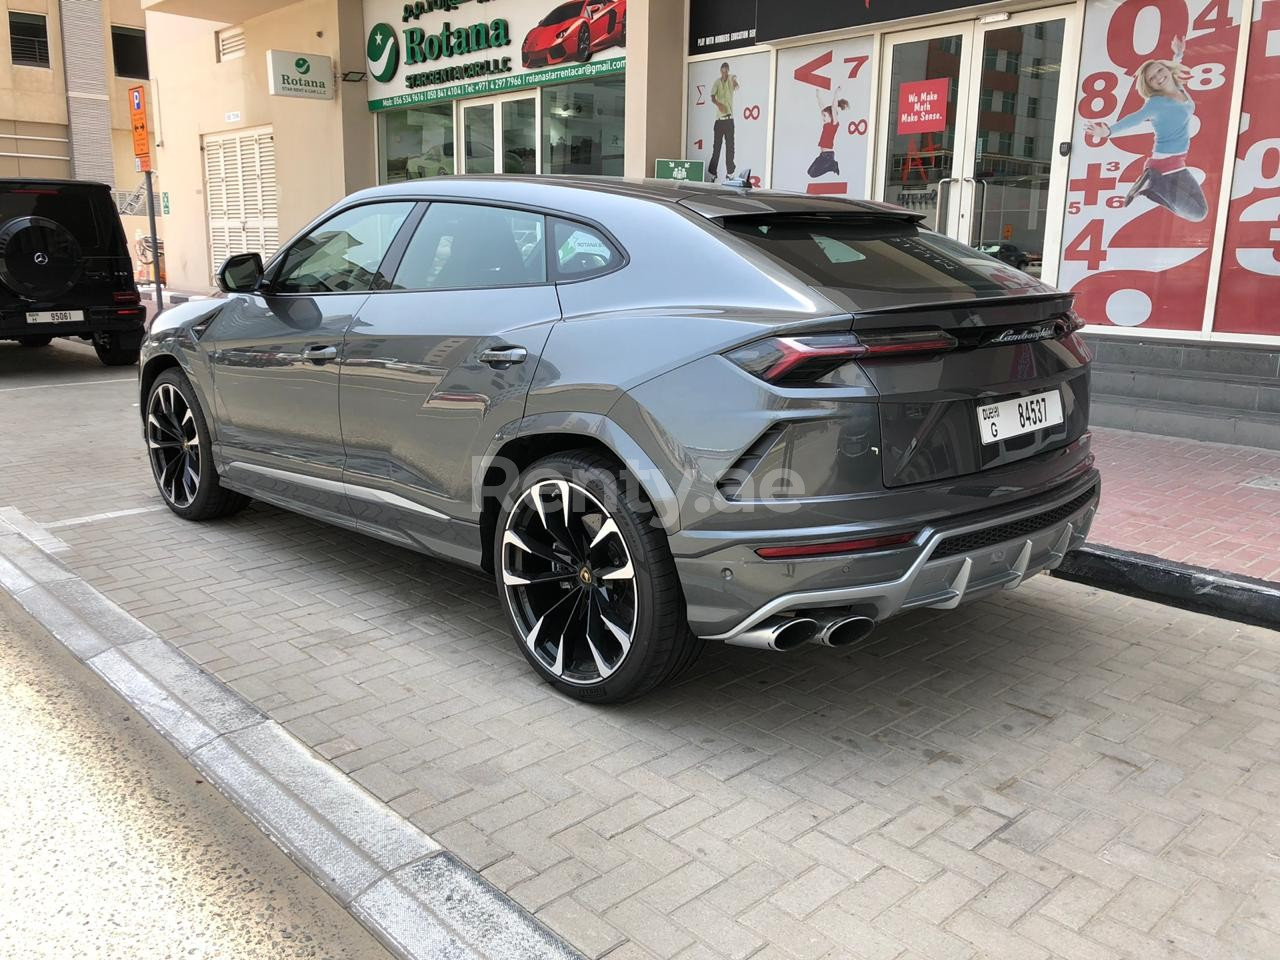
842, 633
795, 632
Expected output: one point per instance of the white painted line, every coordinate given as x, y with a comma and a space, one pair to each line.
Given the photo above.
98, 517
418, 900
20, 523
68, 383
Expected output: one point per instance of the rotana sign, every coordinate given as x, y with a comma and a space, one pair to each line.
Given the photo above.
305, 75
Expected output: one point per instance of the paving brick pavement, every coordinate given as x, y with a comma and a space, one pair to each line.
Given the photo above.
1212, 505
1054, 772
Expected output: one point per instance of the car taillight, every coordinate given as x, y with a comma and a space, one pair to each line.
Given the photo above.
799, 551
789, 361
126, 296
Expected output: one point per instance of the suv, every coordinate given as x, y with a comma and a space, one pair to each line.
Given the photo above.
65, 269
657, 413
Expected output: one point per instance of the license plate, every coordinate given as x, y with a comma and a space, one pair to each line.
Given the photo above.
56, 316
1012, 418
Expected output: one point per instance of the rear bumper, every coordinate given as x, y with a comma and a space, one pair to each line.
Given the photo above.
96, 320
949, 563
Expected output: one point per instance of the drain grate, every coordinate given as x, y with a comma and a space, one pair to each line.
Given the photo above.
1264, 483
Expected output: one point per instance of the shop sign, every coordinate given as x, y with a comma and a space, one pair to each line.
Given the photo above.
435, 50
305, 75
1153, 107
678, 170
922, 106
716, 25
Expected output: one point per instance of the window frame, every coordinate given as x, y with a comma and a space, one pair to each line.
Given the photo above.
48, 48
137, 33
427, 204
553, 264
398, 248
271, 275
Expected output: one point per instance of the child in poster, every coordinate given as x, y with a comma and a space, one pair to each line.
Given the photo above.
825, 161
723, 133
1169, 109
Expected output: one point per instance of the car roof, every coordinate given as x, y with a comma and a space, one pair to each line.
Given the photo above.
708, 199
49, 182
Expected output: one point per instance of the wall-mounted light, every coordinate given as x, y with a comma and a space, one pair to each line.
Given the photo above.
352, 76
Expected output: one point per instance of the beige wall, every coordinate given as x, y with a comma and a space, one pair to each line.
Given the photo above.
33, 102
655, 83
324, 149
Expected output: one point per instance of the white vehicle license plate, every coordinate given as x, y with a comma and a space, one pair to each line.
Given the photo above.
1012, 418
56, 316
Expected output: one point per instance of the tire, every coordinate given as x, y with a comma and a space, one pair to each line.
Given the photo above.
660, 645
169, 401
113, 354
584, 45
39, 258
35, 341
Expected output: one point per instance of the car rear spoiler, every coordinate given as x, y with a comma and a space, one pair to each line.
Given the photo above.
721, 205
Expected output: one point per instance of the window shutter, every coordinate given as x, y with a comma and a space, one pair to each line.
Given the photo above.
241, 194
231, 43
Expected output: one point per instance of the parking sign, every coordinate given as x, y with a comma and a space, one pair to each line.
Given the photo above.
138, 121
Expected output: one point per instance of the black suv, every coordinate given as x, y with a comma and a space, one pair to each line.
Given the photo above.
65, 269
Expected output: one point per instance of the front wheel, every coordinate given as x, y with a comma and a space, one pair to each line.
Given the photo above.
181, 452
584, 45
588, 582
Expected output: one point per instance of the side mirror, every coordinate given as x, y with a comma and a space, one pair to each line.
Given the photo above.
241, 273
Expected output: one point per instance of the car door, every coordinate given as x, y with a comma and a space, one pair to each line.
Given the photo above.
276, 357
438, 364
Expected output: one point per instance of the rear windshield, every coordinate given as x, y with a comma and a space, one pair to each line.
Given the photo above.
75, 208
876, 255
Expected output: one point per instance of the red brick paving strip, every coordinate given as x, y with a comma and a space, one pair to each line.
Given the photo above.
1187, 501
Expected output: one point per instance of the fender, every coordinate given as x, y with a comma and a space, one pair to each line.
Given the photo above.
598, 427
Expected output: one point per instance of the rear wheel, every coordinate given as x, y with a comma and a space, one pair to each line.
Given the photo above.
35, 341
588, 581
113, 353
181, 452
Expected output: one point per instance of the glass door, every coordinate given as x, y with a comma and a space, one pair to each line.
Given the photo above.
500, 135
974, 121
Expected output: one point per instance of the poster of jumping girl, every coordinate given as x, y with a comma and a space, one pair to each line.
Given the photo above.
1168, 109
1153, 102
825, 161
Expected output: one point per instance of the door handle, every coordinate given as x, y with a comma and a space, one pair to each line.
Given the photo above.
319, 354
503, 357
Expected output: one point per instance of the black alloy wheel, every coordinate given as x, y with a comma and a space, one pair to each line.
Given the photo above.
588, 581
570, 581
181, 453
584, 44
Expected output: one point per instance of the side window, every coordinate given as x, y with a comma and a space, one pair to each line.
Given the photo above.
343, 254
465, 246
580, 251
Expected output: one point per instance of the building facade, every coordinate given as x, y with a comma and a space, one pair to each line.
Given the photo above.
250, 149
64, 97
1128, 150
1124, 149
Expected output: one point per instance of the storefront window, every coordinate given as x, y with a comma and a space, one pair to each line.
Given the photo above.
582, 127
415, 143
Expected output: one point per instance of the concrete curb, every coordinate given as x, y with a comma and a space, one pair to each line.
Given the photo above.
1227, 595
419, 901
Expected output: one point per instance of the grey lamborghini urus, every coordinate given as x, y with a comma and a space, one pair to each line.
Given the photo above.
659, 414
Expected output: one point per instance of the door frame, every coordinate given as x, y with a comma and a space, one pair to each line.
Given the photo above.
962, 192
494, 103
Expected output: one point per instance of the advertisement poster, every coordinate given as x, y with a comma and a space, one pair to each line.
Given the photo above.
1251, 260
420, 53
1152, 106
820, 128
729, 115
922, 106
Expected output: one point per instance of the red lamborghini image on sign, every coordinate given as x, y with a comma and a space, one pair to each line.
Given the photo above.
574, 31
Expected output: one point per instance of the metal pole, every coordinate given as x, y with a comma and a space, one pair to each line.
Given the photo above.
155, 243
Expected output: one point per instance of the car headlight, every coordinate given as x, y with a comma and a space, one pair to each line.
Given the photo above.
560, 35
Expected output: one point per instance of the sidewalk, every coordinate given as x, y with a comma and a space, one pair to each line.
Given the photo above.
1211, 505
